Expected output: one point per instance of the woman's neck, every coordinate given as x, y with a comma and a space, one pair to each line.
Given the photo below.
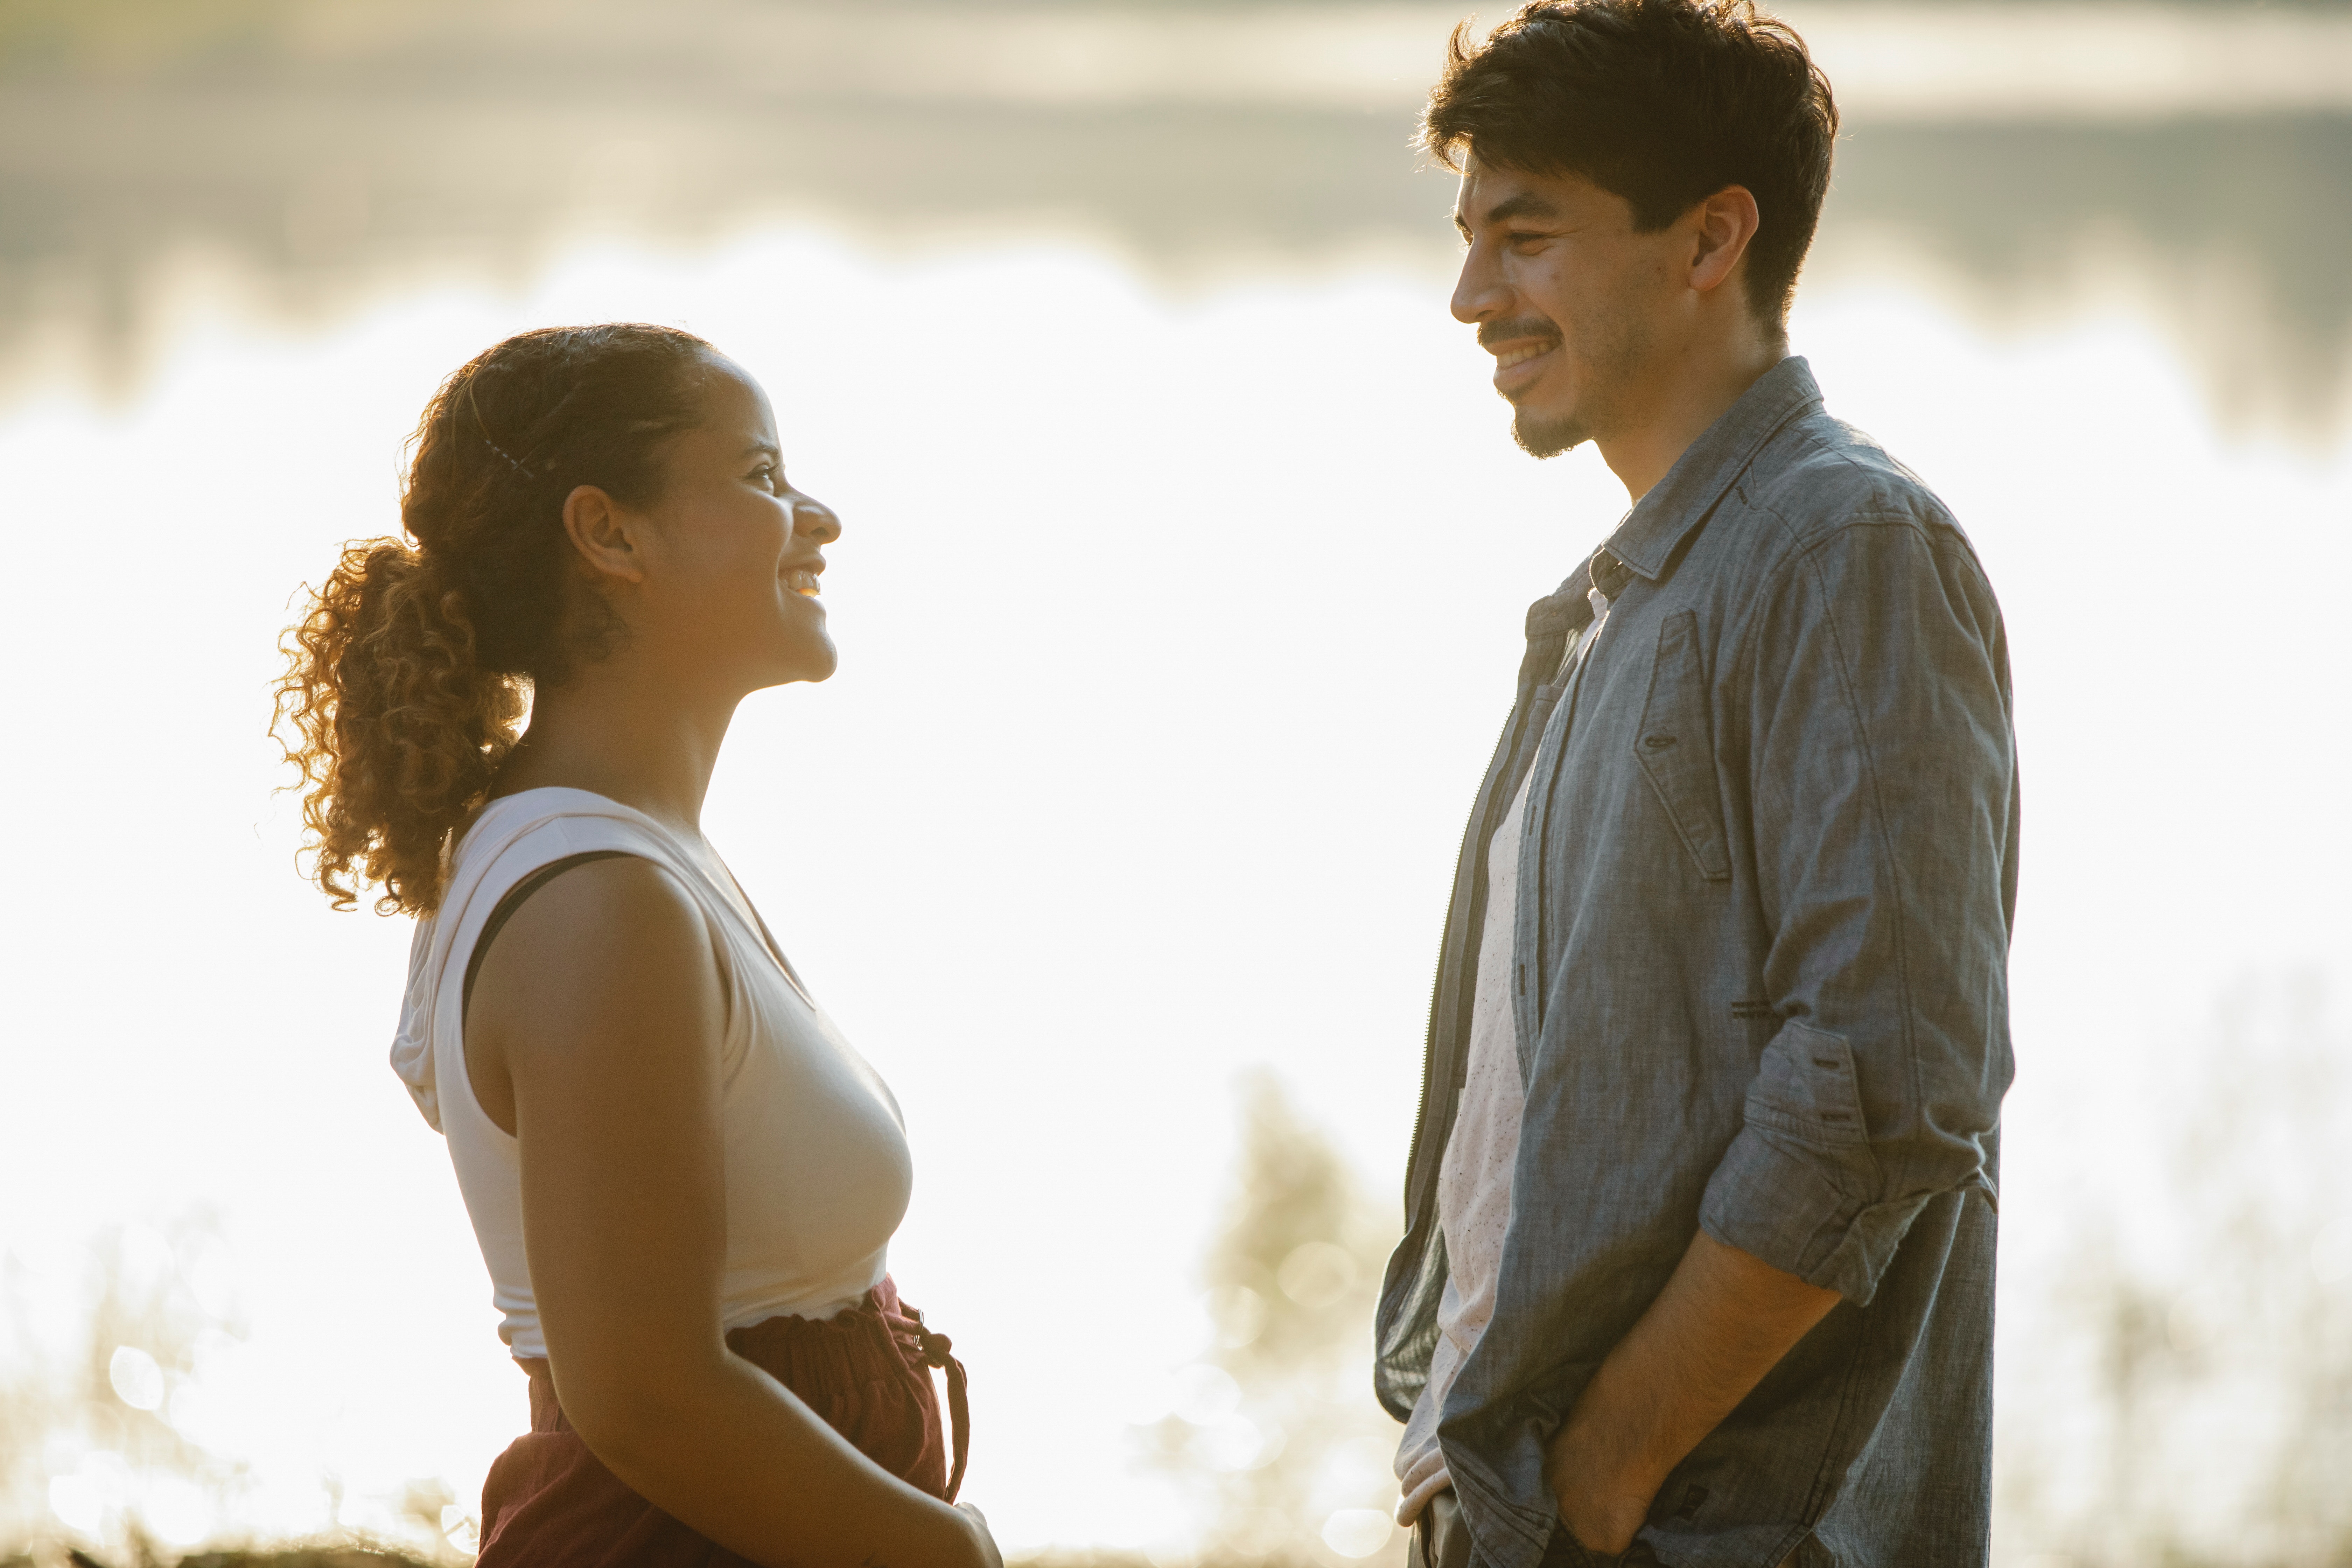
613, 732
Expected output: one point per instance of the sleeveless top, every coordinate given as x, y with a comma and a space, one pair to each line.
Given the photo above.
817, 1169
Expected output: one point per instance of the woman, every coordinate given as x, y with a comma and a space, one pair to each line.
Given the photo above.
683, 1180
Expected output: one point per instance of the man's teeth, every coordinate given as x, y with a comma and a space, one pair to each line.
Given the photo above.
1505, 361
801, 583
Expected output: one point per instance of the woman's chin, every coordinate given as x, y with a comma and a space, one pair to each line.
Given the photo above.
810, 662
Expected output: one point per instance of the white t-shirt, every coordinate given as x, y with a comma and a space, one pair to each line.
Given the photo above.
817, 1169
1474, 1183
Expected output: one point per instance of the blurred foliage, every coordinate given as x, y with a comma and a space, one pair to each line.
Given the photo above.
88, 1429
2193, 1378
114, 34
308, 1557
1279, 1431
287, 1557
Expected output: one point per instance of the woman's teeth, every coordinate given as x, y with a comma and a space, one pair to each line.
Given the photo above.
801, 583
1505, 361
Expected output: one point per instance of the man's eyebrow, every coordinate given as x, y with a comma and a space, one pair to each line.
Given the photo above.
1527, 204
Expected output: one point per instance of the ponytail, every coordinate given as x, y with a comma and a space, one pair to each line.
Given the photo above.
397, 730
407, 674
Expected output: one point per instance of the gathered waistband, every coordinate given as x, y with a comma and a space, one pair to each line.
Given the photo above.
548, 1502
865, 1371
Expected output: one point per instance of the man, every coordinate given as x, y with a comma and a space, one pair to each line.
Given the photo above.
1700, 1211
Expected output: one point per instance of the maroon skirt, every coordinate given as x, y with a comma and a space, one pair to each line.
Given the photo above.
551, 1504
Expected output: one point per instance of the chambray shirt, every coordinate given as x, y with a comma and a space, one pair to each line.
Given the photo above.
1766, 886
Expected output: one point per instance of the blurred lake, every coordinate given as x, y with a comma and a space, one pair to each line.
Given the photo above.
332, 151
1180, 597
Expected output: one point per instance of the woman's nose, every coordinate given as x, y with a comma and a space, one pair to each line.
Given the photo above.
811, 519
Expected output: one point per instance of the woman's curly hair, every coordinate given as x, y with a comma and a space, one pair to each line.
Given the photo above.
406, 678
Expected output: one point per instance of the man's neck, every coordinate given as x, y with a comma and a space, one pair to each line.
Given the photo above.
1681, 405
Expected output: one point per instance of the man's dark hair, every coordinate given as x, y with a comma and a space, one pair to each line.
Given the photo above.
1663, 102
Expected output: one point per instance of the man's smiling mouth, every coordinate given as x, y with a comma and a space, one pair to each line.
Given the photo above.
1510, 357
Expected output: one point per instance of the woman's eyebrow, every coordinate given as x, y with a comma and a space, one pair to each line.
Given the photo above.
764, 449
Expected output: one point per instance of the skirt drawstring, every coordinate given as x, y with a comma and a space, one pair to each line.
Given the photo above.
937, 1352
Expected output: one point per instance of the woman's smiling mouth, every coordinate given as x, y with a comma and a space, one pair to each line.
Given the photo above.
803, 580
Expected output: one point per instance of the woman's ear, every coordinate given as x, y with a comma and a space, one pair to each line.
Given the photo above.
604, 534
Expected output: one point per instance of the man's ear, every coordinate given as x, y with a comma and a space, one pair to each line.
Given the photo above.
1727, 222
604, 535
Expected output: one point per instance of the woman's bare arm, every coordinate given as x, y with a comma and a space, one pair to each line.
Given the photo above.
597, 1018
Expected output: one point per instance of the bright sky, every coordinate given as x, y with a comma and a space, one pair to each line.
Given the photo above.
1175, 633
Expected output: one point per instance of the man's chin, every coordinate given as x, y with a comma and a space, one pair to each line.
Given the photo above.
1547, 436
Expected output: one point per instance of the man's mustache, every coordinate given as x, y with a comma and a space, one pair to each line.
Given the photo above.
1493, 333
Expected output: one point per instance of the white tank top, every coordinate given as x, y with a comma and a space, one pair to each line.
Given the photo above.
817, 1168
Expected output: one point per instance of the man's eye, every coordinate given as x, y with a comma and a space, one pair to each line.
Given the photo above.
1522, 238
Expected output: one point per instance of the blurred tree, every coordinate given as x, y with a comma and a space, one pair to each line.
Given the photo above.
1276, 1437
126, 33
96, 1439
2183, 1391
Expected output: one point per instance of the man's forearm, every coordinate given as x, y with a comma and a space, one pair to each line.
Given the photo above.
1724, 1319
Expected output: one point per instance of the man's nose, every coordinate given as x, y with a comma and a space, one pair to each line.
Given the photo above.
1480, 294
811, 519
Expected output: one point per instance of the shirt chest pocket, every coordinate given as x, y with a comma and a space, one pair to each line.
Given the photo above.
1676, 746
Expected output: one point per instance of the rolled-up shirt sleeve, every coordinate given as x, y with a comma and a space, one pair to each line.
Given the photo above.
1882, 815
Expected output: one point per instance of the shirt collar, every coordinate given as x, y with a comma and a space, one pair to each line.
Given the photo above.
1659, 522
